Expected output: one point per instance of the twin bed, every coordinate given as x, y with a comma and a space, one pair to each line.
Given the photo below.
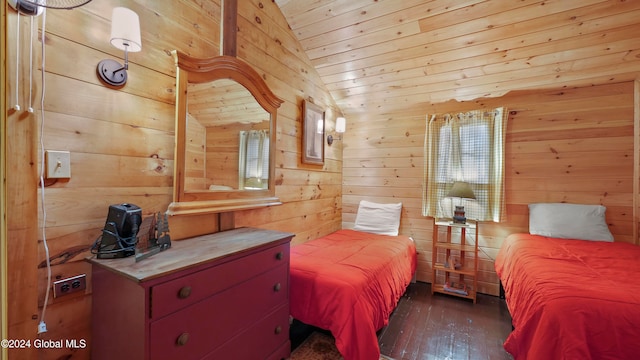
572, 292
350, 281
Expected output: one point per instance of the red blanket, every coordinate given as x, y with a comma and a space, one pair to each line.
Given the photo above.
571, 299
349, 282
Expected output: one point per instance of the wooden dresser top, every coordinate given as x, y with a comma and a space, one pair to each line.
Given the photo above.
189, 253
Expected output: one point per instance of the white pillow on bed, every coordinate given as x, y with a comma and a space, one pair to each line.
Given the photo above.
569, 221
377, 218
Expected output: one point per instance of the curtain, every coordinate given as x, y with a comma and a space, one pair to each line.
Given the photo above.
465, 147
253, 162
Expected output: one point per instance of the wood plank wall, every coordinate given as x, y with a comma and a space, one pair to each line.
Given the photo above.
568, 145
574, 145
121, 144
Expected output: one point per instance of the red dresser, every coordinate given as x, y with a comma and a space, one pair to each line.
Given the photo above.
216, 296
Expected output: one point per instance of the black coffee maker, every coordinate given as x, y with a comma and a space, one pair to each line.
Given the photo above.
120, 234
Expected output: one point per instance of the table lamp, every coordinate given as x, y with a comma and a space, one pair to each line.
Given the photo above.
461, 190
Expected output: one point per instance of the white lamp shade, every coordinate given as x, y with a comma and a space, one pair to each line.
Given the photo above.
125, 30
341, 125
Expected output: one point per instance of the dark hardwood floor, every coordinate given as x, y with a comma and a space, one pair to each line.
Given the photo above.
425, 326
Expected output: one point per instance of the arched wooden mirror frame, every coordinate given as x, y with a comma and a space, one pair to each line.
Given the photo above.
193, 70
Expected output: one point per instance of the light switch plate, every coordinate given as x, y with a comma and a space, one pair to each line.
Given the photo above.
58, 164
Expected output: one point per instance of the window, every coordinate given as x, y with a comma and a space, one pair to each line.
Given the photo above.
254, 159
465, 147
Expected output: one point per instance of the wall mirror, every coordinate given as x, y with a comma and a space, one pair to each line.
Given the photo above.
225, 137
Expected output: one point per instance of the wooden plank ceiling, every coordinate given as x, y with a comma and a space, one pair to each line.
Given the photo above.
385, 55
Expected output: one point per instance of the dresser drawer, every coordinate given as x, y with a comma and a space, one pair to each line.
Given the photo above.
193, 331
269, 336
283, 353
176, 294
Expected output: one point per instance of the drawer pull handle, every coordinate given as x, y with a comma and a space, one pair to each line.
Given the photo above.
277, 287
278, 330
280, 255
182, 339
184, 292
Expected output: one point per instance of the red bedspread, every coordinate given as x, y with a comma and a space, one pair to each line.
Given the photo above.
349, 282
571, 299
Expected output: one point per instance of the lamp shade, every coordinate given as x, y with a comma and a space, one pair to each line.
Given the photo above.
462, 190
125, 30
341, 125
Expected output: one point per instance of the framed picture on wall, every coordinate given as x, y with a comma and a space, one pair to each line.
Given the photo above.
312, 133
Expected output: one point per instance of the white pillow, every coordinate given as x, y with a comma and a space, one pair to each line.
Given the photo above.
569, 221
376, 218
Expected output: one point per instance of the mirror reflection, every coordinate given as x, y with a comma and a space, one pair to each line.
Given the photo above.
225, 137
227, 145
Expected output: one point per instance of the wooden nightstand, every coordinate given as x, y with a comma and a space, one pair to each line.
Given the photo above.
455, 258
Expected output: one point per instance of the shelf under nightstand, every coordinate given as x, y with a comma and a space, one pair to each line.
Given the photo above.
466, 253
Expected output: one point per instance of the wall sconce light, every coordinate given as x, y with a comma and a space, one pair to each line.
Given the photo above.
125, 35
341, 124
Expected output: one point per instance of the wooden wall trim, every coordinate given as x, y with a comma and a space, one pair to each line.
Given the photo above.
636, 159
3, 183
21, 132
229, 29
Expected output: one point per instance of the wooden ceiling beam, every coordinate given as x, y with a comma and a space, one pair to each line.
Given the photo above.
229, 27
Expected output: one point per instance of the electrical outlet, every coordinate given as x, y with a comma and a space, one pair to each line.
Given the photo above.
69, 285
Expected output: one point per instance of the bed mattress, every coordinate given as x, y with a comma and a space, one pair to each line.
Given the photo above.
349, 282
571, 299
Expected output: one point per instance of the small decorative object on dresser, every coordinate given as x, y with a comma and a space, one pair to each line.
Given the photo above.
155, 237
215, 296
